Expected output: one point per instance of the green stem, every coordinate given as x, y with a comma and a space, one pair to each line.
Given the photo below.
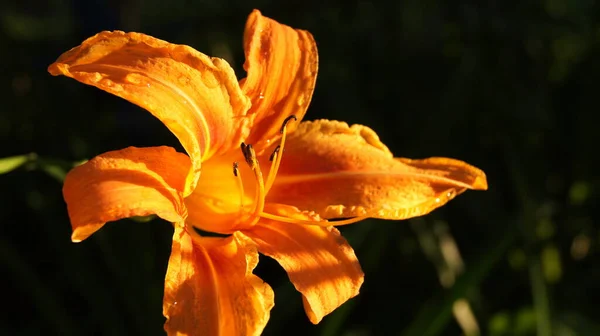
541, 301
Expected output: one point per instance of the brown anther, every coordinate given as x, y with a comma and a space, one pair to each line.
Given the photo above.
286, 120
275, 151
249, 154
235, 169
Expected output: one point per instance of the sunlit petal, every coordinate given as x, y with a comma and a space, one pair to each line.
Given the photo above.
282, 67
197, 97
341, 171
319, 261
126, 183
210, 289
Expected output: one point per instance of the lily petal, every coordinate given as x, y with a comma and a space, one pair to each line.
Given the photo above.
126, 183
341, 171
282, 65
320, 263
210, 289
195, 96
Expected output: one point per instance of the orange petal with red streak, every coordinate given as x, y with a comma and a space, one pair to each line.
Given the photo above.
320, 263
210, 289
126, 183
282, 65
341, 171
197, 97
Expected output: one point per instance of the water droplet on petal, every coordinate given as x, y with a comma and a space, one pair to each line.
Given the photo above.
261, 96
96, 77
133, 78
107, 83
301, 100
184, 80
209, 79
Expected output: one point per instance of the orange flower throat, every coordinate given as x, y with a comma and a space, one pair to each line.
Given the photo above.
249, 210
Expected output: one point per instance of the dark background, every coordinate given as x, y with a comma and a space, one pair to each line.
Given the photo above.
510, 87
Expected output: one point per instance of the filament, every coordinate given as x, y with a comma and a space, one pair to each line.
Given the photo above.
278, 153
240, 184
323, 223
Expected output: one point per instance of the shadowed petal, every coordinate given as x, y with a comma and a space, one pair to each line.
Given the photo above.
210, 289
126, 183
341, 171
282, 69
318, 260
197, 97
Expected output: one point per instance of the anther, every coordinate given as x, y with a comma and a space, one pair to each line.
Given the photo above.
235, 169
249, 154
275, 151
286, 121
240, 183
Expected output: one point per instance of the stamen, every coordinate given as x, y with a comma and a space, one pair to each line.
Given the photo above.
273, 170
285, 121
260, 194
278, 154
323, 223
348, 221
240, 184
235, 169
275, 151
249, 154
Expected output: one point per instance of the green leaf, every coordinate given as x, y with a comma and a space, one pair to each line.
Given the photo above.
11, 163
55, 168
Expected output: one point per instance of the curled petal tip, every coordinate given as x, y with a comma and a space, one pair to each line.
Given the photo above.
282, 65
480, 183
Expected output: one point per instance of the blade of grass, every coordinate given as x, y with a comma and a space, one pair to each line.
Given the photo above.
11, 163
56, 168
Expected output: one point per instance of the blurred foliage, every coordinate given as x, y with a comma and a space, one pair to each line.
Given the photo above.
506, 86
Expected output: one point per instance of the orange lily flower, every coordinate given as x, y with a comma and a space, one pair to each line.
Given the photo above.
235, 180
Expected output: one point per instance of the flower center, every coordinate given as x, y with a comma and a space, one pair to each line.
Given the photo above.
262, 187
224, 202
